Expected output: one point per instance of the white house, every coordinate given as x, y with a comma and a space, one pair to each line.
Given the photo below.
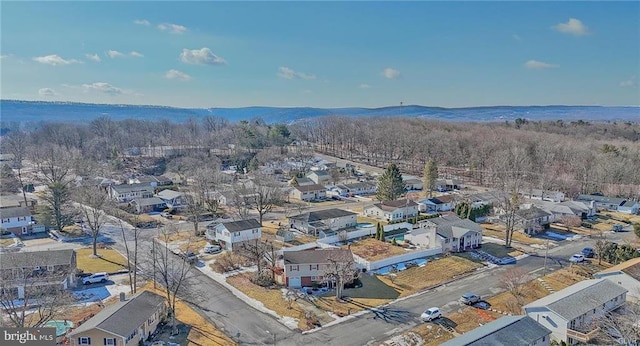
231, 234
505, 331
437, 204
320, 177
538, 194
360, 188
455, 234
19, 221
323, 220
411, 183
308, 193
171, 198
127, 192
392, 210
604, 202
571, 314
423, 237
625, 274
629, 207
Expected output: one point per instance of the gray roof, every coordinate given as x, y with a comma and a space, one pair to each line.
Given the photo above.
393, 205
124, 188
169, 194
143, 202
307, 188
359, 185
579, 298
14, 200
35, 258
306, 181
451, 226
320, 173
123, 317
532, 213
316, 256
322, 215
237, 226
7, 213
505, 331
601, 199
494, 196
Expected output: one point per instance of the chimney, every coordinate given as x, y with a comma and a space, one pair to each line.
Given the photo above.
122, 297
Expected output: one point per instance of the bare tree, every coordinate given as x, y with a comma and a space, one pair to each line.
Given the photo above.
513, 280
570, 221
54, 165
92, 201
340, 270
621, 326
601, 246
267, 194
510, 205
243, 200
17, 143
132, 254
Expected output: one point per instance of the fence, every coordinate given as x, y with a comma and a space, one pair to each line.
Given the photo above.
409, 256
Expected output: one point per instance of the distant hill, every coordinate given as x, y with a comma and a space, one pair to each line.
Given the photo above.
36, 111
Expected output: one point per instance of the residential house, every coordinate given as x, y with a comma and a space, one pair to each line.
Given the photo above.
127, 322
455, 234
147, 205
17, 200
284, 235
173, 199
626, 275
323, 220
231, 197
232, 234
303, 268
629, 207
19, 221
494, 198
448, 185
51, 269
437, 204
572, 313
320, 177
533, 219
303, 181
308, 193
99, 182
128, 192
582, 209
413, 184
603, 202
152, 180
401, 209
538, 194
352, 189
505, 331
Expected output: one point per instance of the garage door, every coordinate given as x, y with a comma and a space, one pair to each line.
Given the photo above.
295, 282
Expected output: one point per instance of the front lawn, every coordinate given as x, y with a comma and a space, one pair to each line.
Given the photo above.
6, 241
109, 260
497, 231
433, 273
372, 250
500, 250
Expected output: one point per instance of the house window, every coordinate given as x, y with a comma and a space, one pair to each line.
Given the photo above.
151, 319
110, 341
254, 231
50, 268
313, 267
294, 268
236, 234
84, 340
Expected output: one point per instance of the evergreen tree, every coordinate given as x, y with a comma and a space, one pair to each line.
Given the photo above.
430, 175
394, 242
294, 181
390, 184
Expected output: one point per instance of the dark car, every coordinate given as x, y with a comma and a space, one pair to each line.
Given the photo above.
189, 256
588, 252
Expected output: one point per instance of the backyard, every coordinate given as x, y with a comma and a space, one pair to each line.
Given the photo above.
373, 250
109, 260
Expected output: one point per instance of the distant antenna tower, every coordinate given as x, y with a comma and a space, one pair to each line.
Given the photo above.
400, 103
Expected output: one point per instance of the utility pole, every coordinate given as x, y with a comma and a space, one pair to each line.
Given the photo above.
546, 253
153, 252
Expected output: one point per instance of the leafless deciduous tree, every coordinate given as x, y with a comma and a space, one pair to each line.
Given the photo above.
340, 270
17, 143
92, 203
621, 326
600, 246
54, 165
243, 200
132, 253
570, 221
267, 194
510, 204
513, 280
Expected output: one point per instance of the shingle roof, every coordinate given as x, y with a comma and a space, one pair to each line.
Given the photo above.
143, 202
322, 215
320, 173
14, 200
25, 259
307, 188
7, 213
169, 194
124, 188
630, 267
360, 185
446, 198
122, 318
505, 331
579, 298
601, 199
532, 213
237, 226
316, 256
393, 205
451, 226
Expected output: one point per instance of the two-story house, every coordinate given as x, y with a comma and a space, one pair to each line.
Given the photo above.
401, 209
173, 199
127, 192
323, 220
532, 220
303, 268
19, 221
320, 177
455, 234
127, 322
505, 331
572, 313
625, 274
22, 272
232, 234
308, 193
17, 200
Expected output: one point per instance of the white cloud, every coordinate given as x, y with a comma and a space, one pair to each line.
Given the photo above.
175, 74
114, 54
172, 28
47, 92
629, 83
93, 57
103, 87
141, 22
55, 60
287, 73
572, 27
391, 73
364, 86
136, 54
538, 65
516, 37
202, 56
4, 56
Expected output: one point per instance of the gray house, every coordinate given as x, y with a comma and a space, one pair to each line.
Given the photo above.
505, 331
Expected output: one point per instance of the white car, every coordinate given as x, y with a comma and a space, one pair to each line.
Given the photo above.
577, 258
431, 314
212, 249
93, 278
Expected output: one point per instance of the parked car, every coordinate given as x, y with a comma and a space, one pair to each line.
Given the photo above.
212, 249
166, 215
94, 278
577, 258
189, 256
588, 252
431, 314
616, 228
469, 298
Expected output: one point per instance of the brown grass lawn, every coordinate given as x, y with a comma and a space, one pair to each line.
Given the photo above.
196, 245
623, 216
77, 314
432, 334
362, 219
6, 241
373, 250
497, 231
180, 236
330, 304
436, 272
470, 318
109, 261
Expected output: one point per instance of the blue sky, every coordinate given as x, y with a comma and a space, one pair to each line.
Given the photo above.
322, 54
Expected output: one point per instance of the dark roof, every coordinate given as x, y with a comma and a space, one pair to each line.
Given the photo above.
27, 259
237, 226
359, 185
143, 202
446, 198
505, 331
7, 213
601, 199
449, 226
316, 256
322, 215
307, 188
393, 205
132, 187
532, 213
123, 317
14, 200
